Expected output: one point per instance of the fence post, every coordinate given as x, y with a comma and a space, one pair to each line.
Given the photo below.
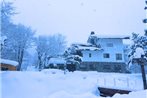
104, 82
127, 82
114, 82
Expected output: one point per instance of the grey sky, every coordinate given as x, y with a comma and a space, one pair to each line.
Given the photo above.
77, 18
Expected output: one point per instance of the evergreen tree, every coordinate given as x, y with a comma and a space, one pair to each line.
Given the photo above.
92, 39
138, 41
73, 57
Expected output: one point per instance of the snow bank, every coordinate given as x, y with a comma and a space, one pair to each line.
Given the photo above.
139, 94
55, 84
46, 84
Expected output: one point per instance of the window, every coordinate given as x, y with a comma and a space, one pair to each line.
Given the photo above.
106, 55
109, 44
90, 55
4, 68
118, 56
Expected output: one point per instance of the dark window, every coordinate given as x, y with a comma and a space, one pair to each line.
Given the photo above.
118, 56
109, 44
90, 55
4, 68
106, 55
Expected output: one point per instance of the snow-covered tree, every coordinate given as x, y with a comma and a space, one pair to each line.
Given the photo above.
7, 10
2, 42
49, 46
18, 40
73, 56
138, 41
18, 36
92, 39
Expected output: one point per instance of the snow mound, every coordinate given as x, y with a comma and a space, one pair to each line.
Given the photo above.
54, 83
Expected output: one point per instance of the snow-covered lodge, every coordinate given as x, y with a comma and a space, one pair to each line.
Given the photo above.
104, 53
8, 65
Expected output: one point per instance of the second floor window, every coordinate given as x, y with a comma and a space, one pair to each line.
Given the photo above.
106, 55
118, 56
90, 55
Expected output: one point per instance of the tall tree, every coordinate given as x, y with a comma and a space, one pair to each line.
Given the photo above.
7, 11
18, 36
18, 40
138, 54
138, 41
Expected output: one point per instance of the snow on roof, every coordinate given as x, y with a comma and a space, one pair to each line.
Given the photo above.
10, 62
114, 36
57, 61
86, 47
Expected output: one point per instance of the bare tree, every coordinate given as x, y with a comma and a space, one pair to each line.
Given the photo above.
49, 46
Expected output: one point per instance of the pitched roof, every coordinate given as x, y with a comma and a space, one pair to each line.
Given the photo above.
57, 61
10, 62
86, 47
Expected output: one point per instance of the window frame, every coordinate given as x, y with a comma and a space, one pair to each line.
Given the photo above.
119, 56
90, 55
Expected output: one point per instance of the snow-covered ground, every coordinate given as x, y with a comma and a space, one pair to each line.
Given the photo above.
55, 84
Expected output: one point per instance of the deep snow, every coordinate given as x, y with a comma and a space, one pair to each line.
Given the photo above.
55, 84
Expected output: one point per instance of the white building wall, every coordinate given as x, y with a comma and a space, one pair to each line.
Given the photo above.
97, 56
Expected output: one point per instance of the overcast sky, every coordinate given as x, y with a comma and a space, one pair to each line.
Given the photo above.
77, 18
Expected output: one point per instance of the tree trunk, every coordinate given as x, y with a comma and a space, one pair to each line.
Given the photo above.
39, 62
20, 58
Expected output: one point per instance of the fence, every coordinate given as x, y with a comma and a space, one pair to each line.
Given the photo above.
120, 83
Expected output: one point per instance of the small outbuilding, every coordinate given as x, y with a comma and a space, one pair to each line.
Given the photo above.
56, 62
8, 65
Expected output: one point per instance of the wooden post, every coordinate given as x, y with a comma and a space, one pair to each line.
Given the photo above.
114, 82
143, 76
127, 82
142, 61
104, 82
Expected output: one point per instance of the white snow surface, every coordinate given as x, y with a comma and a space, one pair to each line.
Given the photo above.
54, 83
5, 61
